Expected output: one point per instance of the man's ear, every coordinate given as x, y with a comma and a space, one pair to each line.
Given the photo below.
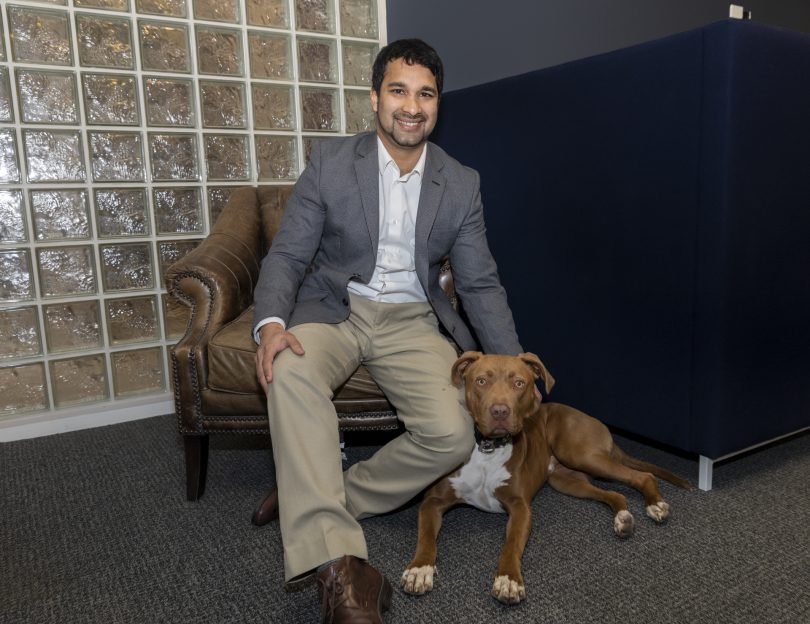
539, 369
461, 364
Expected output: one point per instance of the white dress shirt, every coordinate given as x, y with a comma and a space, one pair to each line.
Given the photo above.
394, 279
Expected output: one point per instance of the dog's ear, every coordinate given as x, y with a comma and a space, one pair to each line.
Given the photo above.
461, 364
539, 369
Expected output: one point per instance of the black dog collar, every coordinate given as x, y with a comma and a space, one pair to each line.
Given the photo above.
487, 445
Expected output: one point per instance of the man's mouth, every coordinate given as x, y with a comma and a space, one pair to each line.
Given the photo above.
409, 123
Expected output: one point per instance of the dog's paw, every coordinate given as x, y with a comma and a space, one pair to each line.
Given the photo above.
418, 581
658, 512
624, 524
508, 591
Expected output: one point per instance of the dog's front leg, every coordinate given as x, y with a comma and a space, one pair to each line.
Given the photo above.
508, 586
418, 575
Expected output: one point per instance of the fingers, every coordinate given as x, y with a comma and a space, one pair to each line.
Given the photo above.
266, 354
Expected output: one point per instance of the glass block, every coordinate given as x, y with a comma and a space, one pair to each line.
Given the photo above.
121, 212
164, 46
110, 99
47, 96
271, 13
172, 8
358, 61
217, 10
126, 266
112, 5
358, 18
316, 60
223, 104
25, 389
359, 115
139, 371
169, 102
60, 214
15, 275
104, 41
134, 319
79, 380
315, 15
40, 36
72, 326
9, 167
65, 271
273, 107
319, 110
178, 210
217, 198
276, 157
6, 107
2, 40
19, 332
54, 156
227, 157
219, 51
170, 252
175, 317
12, 219
270, 55
173, 156
116, 156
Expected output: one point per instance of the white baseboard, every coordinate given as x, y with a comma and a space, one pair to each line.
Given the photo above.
83, 417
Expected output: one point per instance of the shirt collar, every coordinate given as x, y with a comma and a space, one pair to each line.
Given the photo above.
385, 160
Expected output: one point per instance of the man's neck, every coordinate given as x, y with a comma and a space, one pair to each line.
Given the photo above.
405, 157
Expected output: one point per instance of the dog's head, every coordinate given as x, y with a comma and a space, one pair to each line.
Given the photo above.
500, 390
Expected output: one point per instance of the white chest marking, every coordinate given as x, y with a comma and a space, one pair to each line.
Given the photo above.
481, 476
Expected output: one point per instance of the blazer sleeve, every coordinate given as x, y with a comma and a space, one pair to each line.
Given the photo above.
293, 247
475, 276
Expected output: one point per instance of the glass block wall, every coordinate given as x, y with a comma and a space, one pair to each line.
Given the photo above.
124, 125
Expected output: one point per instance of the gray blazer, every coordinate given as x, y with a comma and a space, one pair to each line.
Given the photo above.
330, 230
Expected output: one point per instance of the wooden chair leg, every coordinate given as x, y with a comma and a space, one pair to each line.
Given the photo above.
196, 465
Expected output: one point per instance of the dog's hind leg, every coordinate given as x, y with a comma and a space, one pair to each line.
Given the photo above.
608, 466
575, 483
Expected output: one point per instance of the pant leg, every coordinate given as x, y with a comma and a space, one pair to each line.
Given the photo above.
315, 525
411, 361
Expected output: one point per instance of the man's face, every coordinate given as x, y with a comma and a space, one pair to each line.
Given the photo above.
407, 105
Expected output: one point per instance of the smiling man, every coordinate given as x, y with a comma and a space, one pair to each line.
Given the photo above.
352, 278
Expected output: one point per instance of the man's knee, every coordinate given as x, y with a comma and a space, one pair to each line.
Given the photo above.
451, 439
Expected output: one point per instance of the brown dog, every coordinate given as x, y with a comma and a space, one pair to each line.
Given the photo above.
522, 444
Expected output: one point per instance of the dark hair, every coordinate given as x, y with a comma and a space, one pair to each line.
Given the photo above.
412, 51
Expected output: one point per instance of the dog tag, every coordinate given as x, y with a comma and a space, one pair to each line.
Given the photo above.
486, 446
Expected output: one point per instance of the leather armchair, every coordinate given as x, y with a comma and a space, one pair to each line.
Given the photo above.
213, 371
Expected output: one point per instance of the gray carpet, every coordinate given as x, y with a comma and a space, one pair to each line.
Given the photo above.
94, 527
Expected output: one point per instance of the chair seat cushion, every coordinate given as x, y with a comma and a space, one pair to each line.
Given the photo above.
232, 368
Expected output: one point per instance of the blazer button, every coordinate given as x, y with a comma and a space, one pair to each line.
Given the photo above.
345, 301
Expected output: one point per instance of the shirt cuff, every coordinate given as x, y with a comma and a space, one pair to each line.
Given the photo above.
263, 322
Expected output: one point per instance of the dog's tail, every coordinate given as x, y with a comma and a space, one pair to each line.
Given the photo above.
663, 473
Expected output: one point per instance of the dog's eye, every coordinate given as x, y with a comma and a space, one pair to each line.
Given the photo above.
481, 381
519, 383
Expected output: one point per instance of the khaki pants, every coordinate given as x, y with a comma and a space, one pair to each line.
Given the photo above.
320, 505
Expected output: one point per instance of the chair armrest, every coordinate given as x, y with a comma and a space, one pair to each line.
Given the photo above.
216, 282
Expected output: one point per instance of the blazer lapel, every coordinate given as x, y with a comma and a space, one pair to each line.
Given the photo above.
430, 197
366, 167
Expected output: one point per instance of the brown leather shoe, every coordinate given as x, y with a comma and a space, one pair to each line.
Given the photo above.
352, 592
267, 511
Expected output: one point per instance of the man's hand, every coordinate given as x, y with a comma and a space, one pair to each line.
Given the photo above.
273, 340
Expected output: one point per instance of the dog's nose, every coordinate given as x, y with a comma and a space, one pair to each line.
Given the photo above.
499, 411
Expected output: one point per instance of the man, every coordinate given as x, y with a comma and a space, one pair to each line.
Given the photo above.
351, 278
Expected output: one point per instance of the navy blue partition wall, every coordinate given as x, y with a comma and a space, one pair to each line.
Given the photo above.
649, 210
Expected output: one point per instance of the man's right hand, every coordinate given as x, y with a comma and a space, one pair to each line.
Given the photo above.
273, 339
